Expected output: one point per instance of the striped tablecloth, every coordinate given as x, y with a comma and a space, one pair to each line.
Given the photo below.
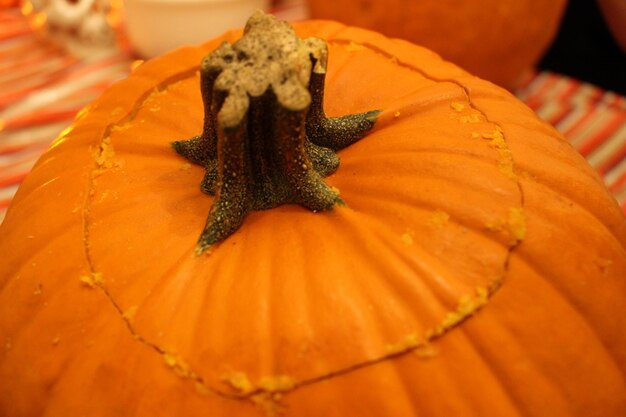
42, 87
593, 120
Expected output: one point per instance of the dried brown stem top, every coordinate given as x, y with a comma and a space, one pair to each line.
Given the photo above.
269, 55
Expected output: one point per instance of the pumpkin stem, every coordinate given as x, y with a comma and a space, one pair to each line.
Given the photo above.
266, 140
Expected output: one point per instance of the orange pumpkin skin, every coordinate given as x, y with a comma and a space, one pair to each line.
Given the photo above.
478, 268
495, 40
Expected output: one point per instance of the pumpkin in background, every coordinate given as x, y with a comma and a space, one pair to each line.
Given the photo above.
495, 40
478, 268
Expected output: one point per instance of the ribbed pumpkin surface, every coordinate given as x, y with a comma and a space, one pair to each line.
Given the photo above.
478, 268
495, 39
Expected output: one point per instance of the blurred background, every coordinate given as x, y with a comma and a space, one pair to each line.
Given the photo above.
565, 59
590, 44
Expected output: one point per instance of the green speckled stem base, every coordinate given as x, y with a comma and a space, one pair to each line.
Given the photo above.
266, 140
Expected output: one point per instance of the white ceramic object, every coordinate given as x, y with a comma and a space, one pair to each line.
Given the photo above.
158, 26
82, 26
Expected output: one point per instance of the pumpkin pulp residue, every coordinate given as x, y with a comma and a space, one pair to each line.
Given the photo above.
267, 392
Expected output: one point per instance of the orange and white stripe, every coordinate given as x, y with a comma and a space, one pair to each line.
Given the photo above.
593, 120
43, 87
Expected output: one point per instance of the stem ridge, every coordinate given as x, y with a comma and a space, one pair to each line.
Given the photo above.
266, 140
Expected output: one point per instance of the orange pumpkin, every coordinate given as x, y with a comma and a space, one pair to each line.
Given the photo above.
477, 269
496, 39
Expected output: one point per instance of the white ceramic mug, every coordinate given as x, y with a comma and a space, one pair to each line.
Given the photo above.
157, 26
